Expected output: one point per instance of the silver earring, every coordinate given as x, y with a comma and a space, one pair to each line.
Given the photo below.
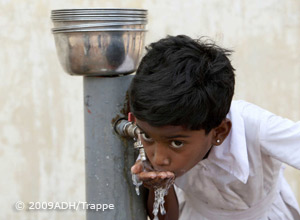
218, 141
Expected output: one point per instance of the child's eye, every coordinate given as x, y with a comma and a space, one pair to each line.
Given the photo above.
177, 144
146, 137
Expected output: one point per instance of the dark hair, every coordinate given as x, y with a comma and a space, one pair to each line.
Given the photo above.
181, 81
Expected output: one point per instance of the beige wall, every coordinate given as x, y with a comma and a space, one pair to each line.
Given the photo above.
41, 120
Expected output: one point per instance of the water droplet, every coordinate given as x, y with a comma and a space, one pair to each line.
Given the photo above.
137, 183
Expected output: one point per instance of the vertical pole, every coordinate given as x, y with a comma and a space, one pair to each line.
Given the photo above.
108, 158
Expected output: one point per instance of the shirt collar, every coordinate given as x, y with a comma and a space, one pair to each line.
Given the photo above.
232, 154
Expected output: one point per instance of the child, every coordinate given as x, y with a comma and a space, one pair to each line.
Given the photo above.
226, 156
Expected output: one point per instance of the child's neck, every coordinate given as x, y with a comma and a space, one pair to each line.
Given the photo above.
206, 155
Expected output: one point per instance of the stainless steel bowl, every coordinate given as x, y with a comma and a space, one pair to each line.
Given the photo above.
100, 52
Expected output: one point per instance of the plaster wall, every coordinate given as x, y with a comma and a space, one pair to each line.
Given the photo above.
41, 107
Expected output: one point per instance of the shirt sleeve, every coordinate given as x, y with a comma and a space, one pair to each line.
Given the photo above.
280, 138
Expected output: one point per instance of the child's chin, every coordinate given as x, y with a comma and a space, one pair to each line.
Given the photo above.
180, 173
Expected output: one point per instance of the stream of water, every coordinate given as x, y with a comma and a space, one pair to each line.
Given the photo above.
159, 192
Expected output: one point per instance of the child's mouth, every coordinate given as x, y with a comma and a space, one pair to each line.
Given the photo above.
149, 167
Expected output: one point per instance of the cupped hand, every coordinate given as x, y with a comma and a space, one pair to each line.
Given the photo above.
151, 179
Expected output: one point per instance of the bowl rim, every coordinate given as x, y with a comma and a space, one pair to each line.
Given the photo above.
112, 9
100, 11
92, 25
99, 15
97, 19
101, 30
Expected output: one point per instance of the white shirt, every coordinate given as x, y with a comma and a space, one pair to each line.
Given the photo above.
242, 178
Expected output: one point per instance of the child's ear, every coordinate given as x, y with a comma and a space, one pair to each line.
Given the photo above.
131, 117
221, 132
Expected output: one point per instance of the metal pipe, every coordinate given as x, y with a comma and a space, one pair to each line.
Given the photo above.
126, 128
108, 156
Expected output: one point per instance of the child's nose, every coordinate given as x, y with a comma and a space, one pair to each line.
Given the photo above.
160, 157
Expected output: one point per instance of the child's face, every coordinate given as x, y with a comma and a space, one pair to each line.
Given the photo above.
174, 148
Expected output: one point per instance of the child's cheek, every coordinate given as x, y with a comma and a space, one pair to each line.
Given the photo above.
147, 150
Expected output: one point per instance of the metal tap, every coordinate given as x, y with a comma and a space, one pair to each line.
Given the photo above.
126, 128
